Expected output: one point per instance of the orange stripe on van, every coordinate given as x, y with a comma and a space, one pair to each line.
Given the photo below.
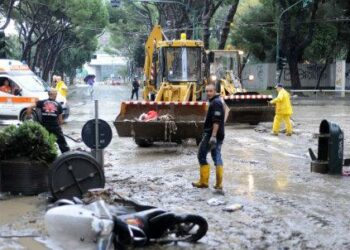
18, 99
14, 68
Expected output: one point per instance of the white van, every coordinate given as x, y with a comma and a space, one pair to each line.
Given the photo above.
26, 89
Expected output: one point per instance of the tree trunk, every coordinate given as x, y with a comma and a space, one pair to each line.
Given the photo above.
25, 54
37, 55
322, 72
8, 15
227, 24
294, 71
206, 32
72, 77
240, 73
48, 61
293, 42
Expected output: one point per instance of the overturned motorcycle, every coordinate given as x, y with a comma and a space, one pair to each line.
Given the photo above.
100, 225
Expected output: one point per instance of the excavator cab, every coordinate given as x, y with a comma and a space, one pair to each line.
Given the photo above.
182, 64
245, 107
179, 72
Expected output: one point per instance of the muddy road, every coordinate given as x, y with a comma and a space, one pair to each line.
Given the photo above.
285, 206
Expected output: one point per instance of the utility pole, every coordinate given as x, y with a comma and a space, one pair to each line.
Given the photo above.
278, 59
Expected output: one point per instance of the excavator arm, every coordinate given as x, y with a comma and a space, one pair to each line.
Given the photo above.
149, 66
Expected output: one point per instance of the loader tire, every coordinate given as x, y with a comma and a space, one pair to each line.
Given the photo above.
143, 143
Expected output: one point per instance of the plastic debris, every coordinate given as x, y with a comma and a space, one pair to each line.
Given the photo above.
233, 207
215, 202
150, 116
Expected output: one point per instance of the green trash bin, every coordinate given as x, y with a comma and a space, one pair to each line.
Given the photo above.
330, 149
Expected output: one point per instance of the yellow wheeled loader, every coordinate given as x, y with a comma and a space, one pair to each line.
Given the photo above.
172, 88
245, 107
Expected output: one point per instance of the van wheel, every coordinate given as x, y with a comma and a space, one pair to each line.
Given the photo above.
24, 117
143, 143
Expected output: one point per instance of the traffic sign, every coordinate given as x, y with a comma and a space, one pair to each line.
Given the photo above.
104, 131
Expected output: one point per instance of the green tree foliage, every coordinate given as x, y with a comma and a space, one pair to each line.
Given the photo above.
333, 34
13, 47
48, 28
255, 33
131, 24
71, 59
323, 44
129, 27
313, 33
6, 8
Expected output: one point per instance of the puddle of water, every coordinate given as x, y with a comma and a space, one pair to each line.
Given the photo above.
13, 208
31, 244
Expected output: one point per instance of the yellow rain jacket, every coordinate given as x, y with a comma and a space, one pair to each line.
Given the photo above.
61, 87
283, 104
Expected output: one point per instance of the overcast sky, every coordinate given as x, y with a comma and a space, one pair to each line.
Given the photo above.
11, 29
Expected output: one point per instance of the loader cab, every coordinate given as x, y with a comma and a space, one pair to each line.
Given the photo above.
226, 64
222, 61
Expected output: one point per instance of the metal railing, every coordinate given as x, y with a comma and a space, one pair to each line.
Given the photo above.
320, 95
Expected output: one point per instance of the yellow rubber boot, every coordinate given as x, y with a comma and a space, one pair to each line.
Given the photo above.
204, 177
289, 126
276, 124
219, 176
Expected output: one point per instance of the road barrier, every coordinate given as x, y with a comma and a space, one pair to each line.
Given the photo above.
320, 92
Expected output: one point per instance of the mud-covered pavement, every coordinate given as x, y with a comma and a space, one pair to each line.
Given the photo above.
285, 205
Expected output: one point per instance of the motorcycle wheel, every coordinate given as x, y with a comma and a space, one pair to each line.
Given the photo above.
190, 228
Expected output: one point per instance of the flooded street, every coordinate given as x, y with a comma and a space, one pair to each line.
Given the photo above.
285, 206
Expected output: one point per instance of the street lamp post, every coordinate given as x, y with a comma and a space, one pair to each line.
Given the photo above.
279, 72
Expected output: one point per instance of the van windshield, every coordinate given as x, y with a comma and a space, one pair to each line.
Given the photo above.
31, 82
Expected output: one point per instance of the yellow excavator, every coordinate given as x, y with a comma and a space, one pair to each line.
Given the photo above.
245, 107
172, 88
176, 72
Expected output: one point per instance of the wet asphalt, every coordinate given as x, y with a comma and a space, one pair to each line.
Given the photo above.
285, 206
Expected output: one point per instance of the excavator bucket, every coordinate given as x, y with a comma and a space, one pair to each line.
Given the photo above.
249, 107
176, 121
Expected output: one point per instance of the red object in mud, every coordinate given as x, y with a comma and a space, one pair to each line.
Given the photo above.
151, 116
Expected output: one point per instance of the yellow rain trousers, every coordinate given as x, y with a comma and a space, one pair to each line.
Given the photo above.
284, 111
61, 88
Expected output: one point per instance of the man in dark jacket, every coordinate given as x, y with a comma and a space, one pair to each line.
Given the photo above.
135, 89
52, 118
213, 137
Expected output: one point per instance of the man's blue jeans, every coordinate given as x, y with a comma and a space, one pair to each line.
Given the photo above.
204, 149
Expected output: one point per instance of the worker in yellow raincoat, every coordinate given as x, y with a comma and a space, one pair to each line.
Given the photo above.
61, 87
284, 111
